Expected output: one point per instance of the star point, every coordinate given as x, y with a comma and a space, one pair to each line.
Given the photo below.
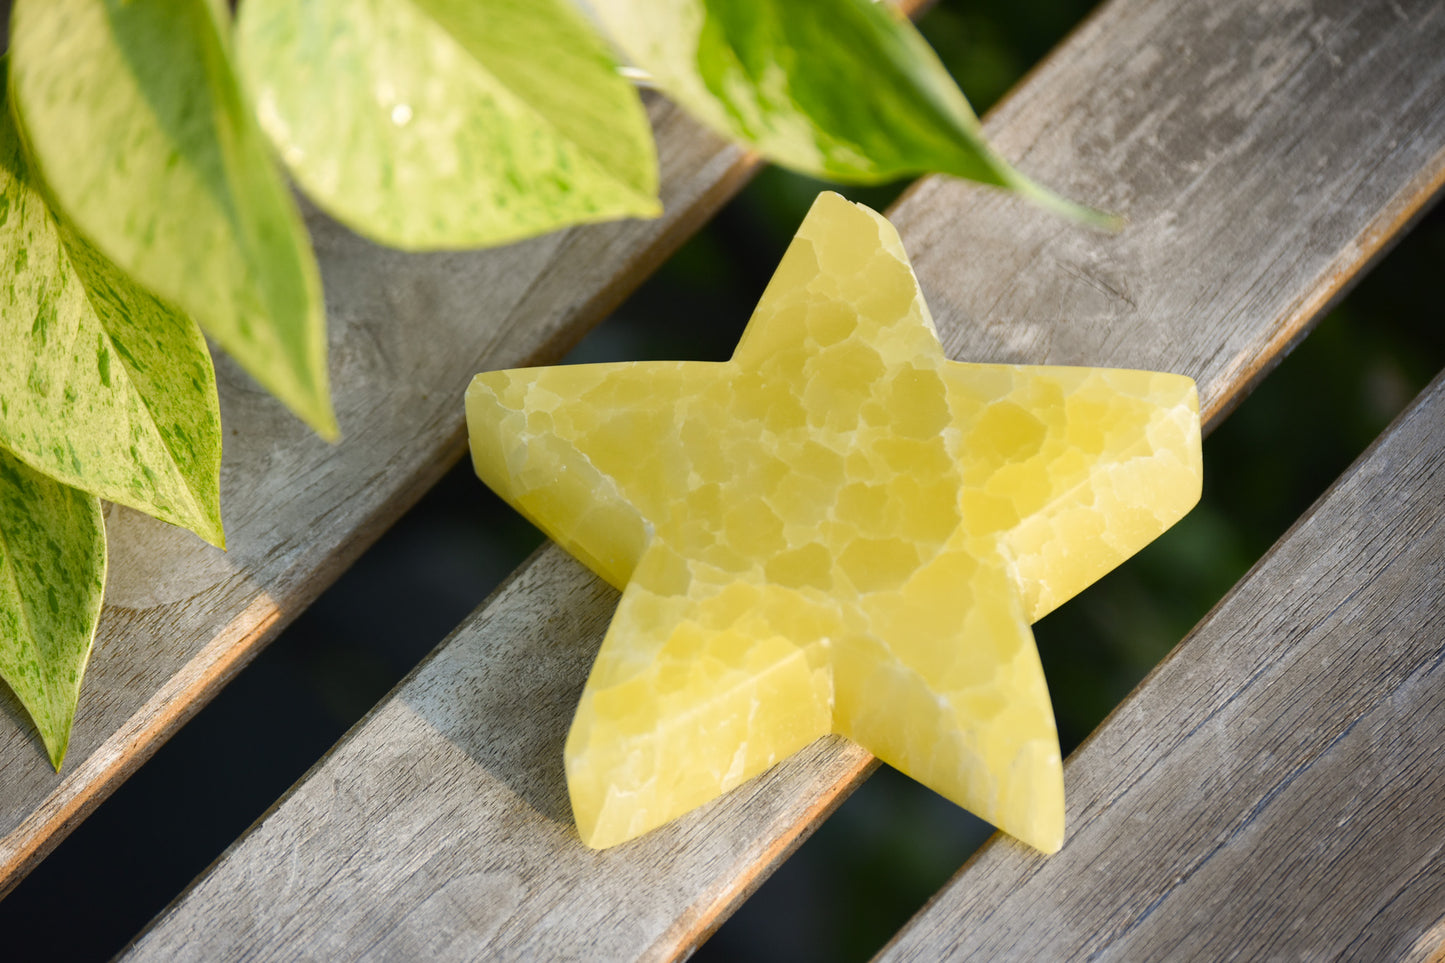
838, 530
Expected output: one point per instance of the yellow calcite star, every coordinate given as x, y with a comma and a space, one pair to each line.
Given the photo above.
839, 530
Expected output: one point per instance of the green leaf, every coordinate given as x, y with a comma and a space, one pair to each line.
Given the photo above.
448, 123
52, 576
102, 386
140, 132
844, 90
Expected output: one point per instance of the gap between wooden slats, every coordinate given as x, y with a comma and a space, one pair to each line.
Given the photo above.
1264, 156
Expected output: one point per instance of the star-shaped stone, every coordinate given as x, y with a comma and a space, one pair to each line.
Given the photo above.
839, 530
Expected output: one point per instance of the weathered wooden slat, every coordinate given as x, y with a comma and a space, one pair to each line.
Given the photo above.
1265, 154
407, 332
1274, 789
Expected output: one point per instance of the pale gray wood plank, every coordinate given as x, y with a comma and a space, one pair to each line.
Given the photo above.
1273, 790
407, 332
1231, 253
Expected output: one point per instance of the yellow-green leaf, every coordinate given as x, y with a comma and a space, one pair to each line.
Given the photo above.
140, 132
102, 386
448, 123
844, 90
52, 575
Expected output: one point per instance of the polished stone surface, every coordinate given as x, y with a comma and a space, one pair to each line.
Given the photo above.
838, 530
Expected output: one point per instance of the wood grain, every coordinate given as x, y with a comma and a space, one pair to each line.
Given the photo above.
407, 332
1264, 153
1274, 789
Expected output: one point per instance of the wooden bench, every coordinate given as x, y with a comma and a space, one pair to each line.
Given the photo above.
1272, 789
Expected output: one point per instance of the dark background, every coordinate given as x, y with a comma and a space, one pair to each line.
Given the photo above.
886, 850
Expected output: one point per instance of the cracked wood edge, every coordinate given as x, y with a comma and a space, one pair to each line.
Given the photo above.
1264, 157
1273, 788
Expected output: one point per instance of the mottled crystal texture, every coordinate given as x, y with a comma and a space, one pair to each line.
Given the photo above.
839, 530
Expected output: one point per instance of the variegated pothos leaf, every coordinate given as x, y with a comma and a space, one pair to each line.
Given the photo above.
844, 90
141, 134
52, 576
448, 123
102, 386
